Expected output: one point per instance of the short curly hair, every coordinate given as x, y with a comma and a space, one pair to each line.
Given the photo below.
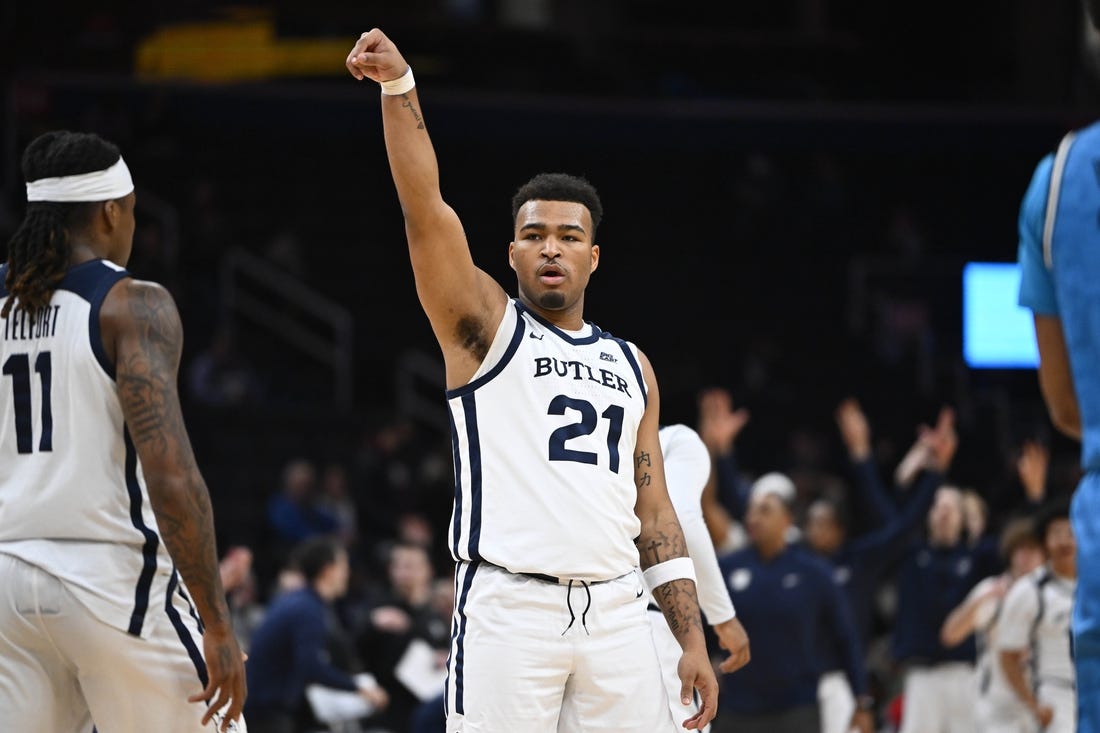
560, 187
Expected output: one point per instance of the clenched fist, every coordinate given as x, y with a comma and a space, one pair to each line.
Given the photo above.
375, 56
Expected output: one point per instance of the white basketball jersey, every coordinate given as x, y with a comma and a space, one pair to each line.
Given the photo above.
1036, 616
992, 683
544, 437
687, 468
72, 495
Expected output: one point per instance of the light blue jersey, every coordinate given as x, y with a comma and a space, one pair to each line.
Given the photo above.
1061, 270
1060, 262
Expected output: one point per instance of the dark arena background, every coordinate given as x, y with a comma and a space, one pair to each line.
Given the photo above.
792, 190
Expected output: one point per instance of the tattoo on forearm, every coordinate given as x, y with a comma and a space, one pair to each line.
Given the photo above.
654, 552
416, 115
146, 379
644, 480
641, 458
680, 605
664, 540
662, 543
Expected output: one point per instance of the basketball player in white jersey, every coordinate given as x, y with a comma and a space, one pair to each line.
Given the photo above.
559, 483
997, 708
687, 468
1033, 634
102, 508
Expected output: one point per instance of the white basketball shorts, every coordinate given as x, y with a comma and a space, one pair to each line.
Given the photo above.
535, 656
63, 670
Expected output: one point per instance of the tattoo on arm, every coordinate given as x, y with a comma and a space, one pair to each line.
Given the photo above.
641, 458
677, 598
148, 361
146, 381
412, 108
662, 543
680, 605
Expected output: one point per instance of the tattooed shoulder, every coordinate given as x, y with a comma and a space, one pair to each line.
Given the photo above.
150, 339
154, 314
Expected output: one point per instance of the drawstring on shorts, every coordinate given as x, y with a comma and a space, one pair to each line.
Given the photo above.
569, 605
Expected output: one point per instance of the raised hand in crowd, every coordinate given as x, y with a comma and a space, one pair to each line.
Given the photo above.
719, 422
1031, 467
940, 441
854, 429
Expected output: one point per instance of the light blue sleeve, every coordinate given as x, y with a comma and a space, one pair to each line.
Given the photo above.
1036, 283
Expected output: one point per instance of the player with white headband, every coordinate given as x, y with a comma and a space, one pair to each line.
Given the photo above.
112, 182
106, 532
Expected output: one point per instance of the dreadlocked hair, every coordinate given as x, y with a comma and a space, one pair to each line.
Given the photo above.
39, 251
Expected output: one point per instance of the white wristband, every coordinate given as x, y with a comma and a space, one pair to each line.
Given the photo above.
674, 569
400, 85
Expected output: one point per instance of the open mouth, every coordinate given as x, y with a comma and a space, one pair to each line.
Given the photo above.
551, 275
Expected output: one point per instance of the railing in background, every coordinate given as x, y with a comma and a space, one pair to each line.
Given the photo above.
285, 312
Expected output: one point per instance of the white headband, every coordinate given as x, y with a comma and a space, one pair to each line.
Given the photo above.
104, 185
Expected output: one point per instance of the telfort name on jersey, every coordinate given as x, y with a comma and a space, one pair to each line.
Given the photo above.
548, 365
22, 325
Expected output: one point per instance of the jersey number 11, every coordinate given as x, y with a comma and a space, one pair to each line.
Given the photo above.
18, 367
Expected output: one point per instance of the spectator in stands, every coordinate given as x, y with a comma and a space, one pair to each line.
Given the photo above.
289, 648
862, 561
239, 583
719, 426
936, 576
1034, 632
219, 376
335, 501
786, 599
404, 639
293, 512
859, 563
996, 710
975, 516
430, 716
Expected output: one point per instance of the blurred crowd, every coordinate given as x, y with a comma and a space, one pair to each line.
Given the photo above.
884, 589
333, 527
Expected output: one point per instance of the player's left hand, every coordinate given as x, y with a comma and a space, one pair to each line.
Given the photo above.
732, 637
226, 678
696, 674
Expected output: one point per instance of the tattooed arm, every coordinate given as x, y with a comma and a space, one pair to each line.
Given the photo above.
143, 337
463, 303
661, 539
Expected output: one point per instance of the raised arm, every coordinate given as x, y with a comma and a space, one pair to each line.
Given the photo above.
662, 550
855, 431
462, 302
142, 332
1031, 468
719, 426
880, 548
975, 613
